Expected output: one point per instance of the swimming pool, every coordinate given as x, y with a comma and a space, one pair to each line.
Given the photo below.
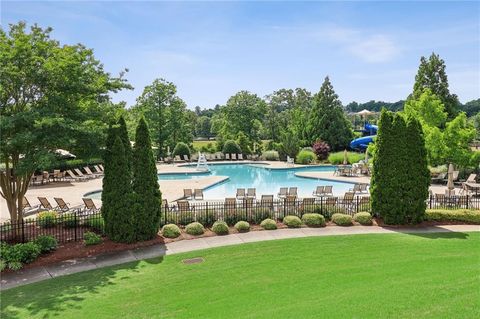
266, 180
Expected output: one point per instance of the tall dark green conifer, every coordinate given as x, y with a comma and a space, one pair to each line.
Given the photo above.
327, 121
123, 134
145, 186
107, 179
419, 181
117, 189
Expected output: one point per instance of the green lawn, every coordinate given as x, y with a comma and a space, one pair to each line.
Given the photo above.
362, 276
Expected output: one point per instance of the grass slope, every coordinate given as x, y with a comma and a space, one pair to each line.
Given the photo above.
359, 276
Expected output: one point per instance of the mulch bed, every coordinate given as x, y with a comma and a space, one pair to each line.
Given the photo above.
74, 250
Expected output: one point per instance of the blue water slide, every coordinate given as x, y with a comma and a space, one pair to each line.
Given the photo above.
361, 143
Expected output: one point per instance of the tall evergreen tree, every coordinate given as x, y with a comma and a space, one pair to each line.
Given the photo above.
117, 190
123, 134
328, 121
418, 182
432, 75
145, 186
108, 185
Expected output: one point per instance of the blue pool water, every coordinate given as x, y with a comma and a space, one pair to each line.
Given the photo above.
265, 180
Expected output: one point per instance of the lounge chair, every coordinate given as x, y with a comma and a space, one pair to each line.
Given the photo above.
234, 157
328, 190
58, 175
364, 203
266, 201
248, 203
283, 192
185, 158
101, 167
46, 177
471, 178
348, 200
240, 193
98, 170
198, 194
290, 161
230, 204
356, 188
292, 191
252, 193
184, 206
75, 177
79, 173
89, 205
44, 203
319, 191
308, 204
331, 201
177, 158
454, 175
187, 193
363, 188
89, 172
240, 157
62, 206
227, 156
27, 208
290, 204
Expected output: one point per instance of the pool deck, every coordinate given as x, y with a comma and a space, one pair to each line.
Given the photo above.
72, 192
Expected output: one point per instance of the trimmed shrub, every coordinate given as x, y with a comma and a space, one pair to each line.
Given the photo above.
292, 221
181, 149
260, 214
268, 224
270, 156
47, 219
68, 220
313, 220
305, 157
352, 157
454, 215
242, 226
95, 223
22, 253
195, 229
231, 147
220, 228
321, 149
46, 243
170, 231
363, 218
342, 219
90, 238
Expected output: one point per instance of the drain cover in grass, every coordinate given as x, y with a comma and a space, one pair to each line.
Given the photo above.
193, 261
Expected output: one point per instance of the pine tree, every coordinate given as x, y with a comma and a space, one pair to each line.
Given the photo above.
123, 134
432, 75
118, 189
328, 121
107, 182
145, 186
419, 181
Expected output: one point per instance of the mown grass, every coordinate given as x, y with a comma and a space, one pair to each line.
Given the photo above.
359, 276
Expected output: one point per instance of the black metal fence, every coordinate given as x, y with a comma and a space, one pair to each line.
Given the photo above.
71, 225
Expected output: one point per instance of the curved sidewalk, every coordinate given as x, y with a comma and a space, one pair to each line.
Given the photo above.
32, 275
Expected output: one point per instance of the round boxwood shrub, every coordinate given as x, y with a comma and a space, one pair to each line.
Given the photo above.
305, 157
268, 224
231, 147
313, 220
46, 243
220, 227
194, 229
47, 219
181, 149
342, 219
242, 226
170, 231
363, 218
292, 221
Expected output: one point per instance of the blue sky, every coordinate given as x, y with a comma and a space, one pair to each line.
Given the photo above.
211, 50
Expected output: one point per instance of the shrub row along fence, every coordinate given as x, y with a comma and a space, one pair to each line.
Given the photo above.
71, 226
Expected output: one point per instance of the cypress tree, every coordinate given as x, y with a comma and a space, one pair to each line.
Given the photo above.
328, 121
118, 190
123, 134
419, 181
107, 182
145, 186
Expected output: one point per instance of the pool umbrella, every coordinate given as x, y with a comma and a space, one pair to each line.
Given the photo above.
450, 185
345, 157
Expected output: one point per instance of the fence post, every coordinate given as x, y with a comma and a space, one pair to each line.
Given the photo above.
75, 220
23, 230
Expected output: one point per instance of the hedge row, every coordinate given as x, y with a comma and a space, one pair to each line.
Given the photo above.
453, 215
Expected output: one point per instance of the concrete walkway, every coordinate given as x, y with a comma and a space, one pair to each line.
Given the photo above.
32, 275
